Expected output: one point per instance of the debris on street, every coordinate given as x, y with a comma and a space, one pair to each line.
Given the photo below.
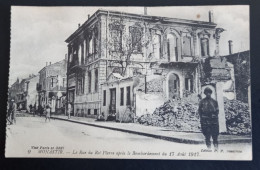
182, 115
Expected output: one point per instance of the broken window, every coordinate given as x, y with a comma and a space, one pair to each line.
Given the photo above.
117, 39
104, 97
157, 46
96, 80
89, 81
186, 46
128, 97
189, 84
204, 47
136, 37
80, 84
172, 47
121, 96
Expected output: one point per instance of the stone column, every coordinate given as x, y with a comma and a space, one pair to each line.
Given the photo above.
220, 100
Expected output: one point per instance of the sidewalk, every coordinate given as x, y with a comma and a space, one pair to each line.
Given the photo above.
155, 132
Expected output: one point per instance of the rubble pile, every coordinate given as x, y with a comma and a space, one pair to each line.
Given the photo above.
179, 115
182, 115
237, 117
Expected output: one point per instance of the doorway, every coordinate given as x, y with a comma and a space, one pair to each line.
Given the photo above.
112, 109
174, 86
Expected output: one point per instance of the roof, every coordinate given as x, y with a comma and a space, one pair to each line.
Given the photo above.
138, 16
246, 53
58, 62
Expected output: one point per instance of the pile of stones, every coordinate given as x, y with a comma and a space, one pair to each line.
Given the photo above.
238, 117
175, 114
182, 115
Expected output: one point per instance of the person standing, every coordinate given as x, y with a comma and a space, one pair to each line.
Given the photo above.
12, 111
69, 110
35, 109
208, 111
48, 113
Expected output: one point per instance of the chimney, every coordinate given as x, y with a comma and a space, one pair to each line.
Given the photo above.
145, 10
211, 16
50, 63
88, 16
79, 24
230, 46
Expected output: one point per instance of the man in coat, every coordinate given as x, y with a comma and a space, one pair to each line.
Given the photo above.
208, 111
12, 111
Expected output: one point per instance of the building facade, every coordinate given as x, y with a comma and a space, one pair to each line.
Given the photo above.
52, 86
24, 92
164, 53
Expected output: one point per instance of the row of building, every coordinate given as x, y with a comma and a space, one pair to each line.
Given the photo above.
46, 87
122, 63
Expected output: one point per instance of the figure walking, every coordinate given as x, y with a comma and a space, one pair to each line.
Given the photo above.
208, 111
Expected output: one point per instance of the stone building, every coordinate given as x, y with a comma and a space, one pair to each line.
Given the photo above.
112, 48
32, 94
52, 86
13, 89
24, 92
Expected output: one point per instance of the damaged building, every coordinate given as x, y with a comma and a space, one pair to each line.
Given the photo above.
122, 63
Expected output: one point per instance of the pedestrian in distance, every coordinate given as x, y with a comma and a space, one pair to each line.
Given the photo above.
35, 109
48, 113
69, 110
208, 111
40, 110
12, 111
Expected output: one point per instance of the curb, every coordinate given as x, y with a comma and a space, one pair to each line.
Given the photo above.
167, 138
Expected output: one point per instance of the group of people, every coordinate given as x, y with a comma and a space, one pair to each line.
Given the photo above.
12, 110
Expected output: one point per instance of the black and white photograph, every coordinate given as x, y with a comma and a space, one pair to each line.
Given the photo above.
122, 82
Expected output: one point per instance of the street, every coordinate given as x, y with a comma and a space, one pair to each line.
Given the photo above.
34, 131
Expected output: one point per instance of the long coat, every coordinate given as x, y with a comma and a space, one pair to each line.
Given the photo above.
208, 111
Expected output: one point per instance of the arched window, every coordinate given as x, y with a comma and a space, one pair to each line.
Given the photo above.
172, 47
186, 45
157, 45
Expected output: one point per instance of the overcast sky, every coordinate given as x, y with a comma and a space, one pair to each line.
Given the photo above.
38, 33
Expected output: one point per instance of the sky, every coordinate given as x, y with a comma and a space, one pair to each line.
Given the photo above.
38, 33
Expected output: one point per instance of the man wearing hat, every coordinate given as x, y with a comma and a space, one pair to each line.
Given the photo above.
208, 111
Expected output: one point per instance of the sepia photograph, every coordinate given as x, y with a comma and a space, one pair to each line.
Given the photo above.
122, 82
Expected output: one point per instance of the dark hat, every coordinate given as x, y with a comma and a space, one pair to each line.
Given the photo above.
207, 90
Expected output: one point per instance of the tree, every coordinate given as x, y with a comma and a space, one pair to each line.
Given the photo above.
123, 42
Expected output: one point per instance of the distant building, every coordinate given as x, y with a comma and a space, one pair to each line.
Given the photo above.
52, 85
13, 90
24, 92
32, 94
